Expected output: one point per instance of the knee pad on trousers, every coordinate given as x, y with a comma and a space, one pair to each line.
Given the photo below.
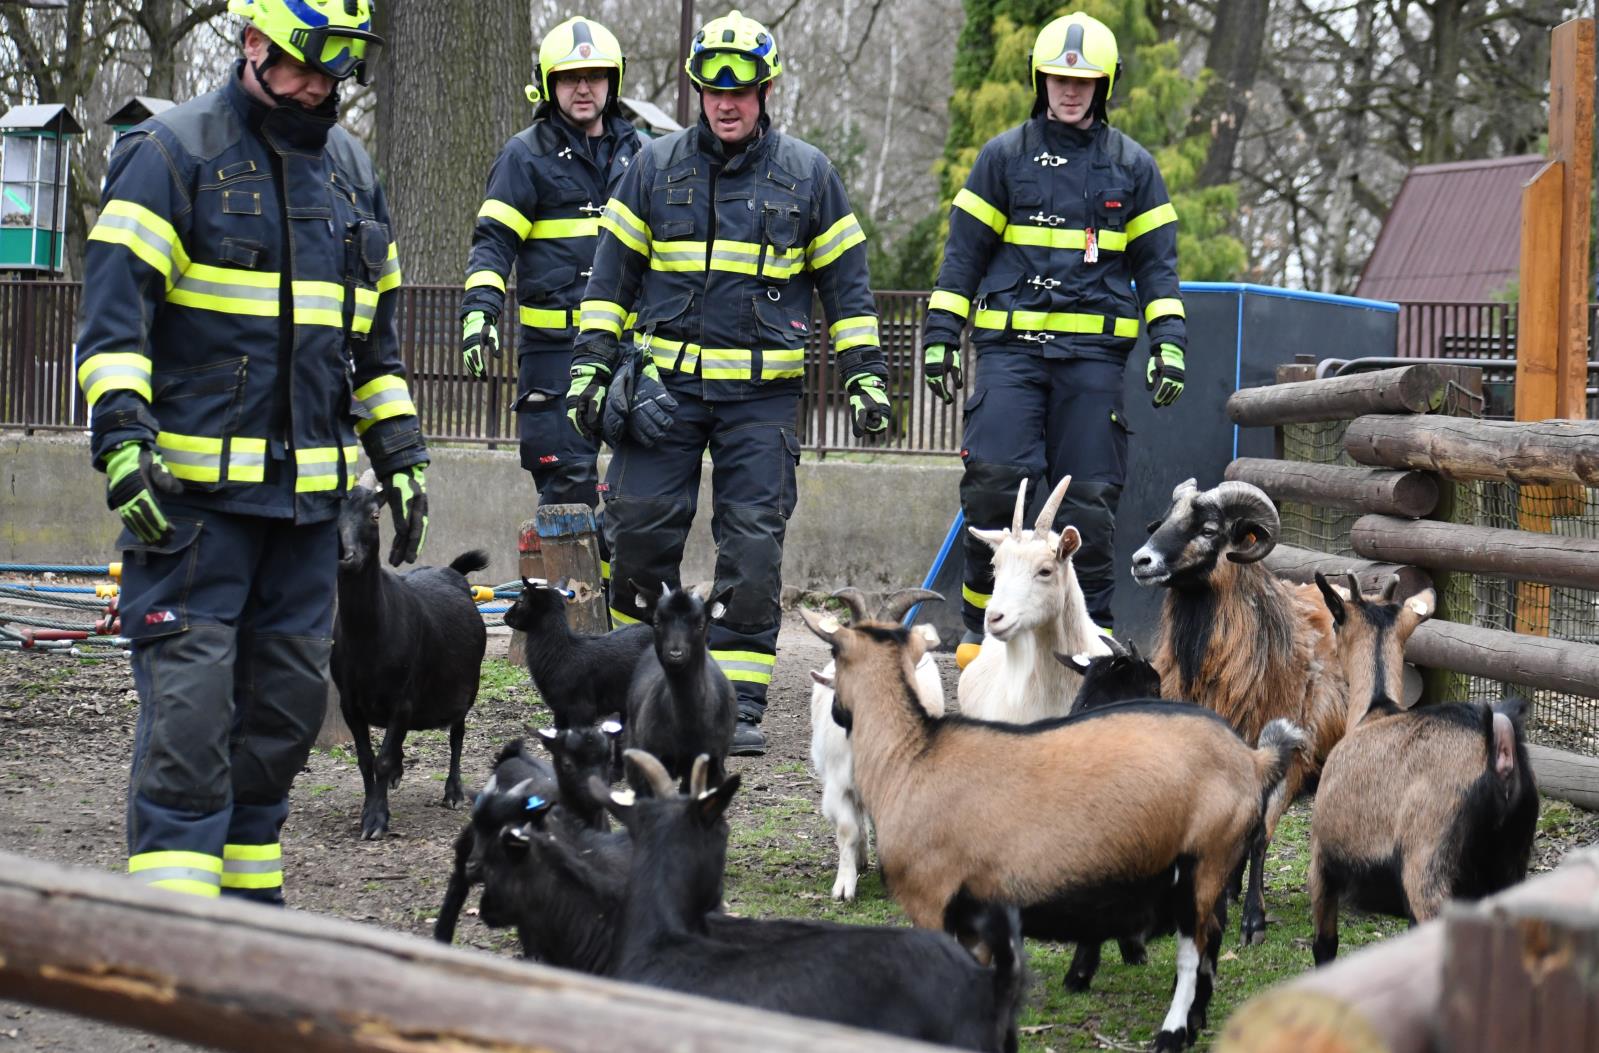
647, 536
749, 558
279, 721
185, 708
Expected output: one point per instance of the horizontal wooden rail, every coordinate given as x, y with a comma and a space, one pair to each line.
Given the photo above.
1565, 666
1522, 555
1406, 389
1382, 490
239, 976
1388, 998
1551, 451
1300, 565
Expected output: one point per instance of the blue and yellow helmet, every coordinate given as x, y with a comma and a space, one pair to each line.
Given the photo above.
732, 52
331, 36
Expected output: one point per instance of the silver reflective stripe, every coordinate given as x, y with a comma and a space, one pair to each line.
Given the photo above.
252, 866
210, 462
725, 356
764, 668
379, 398
154, 874
390, 266
314, 302
855, 331
238, 459
201, 287
626, 224
595, 314
832, 242
145, 234
693, 255
736, 255
105, 373
365, 312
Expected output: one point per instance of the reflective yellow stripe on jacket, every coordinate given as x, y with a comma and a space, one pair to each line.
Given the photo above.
144, 234
727, 363
383, 398
114, 371
198, 458
1056, 322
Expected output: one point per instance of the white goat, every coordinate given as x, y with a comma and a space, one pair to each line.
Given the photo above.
831, 756
1036, 612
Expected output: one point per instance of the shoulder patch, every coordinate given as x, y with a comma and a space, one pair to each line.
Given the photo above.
204, 127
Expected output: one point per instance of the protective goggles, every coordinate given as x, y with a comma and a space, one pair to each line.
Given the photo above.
726, 69
339, 52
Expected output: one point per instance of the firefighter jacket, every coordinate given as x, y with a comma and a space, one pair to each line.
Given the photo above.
1062, 239
541, 211
719, 258
238, 308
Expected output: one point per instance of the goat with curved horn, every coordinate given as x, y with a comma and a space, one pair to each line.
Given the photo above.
855, 600
699, 779
1046, 517
1247, 502
1021, 509
899, 603
653, 771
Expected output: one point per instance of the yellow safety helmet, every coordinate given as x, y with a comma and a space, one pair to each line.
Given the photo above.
732, 52
331, 36
577, 43
1077, 45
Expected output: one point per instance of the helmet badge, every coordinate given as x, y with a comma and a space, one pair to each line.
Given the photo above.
1071, 58
585, 50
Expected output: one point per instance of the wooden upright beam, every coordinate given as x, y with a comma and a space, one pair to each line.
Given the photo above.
1538, 316
1571, 114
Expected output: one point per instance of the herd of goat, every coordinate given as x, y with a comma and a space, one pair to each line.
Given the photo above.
1080, 794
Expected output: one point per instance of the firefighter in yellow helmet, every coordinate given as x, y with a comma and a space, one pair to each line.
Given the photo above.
718, 237
540, 213
240, 289
1062, 248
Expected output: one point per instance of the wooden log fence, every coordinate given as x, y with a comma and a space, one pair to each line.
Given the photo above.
1406, 389
1301, 564
1564, 666
1413, 494
1435, 987
1548, 452
1518, 554
240, 976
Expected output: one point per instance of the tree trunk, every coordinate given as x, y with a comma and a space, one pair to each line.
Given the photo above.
449, 96
165, 25
1233, 59
1446, 48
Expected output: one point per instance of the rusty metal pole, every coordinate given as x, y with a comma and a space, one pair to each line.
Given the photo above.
685, 93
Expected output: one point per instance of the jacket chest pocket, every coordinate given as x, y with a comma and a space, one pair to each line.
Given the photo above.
675, 201
1111, 207
781, 253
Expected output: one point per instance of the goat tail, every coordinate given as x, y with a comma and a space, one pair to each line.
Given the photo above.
470, 562
1279, 741
992, 934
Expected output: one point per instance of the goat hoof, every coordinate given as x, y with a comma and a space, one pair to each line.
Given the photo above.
1075, 983
1254, 936
1172, 1041
1133, 953
454, 796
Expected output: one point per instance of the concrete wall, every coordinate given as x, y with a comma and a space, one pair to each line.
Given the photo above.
875, 526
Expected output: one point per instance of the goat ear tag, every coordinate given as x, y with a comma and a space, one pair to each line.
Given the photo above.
829, 624
622, 797
717, 610
638, 601
611, 727
548, 734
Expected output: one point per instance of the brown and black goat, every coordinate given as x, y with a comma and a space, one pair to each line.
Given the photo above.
1239, 641
1065, 818
1415, 806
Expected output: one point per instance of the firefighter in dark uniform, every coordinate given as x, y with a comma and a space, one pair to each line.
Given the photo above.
238, 337
541, 211
718, 237
1062, 240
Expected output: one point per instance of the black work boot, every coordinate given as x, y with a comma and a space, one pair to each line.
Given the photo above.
748, 739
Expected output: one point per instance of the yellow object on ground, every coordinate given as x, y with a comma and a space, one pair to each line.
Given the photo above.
965, 653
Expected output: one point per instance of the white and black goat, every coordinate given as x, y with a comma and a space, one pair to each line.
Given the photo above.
830, 753
1066, 818
1036, 611
680, 704
962, 991
407, 651
1416, 806
582, 677
1239, 641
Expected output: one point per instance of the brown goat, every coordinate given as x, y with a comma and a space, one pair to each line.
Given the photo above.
1061, 817
1414, 806
1239, 641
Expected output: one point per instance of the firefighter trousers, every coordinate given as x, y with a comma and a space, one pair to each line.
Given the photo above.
1039, 419
651, 494
562, 462
231, 622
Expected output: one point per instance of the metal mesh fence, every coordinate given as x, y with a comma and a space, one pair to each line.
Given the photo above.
1563, 721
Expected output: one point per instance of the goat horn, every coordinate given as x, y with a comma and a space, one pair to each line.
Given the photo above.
1187, 486
1046, 517
654, 772
1390, 588
1352, 583
1250, 500
895, 607
700, 777
855, 600
1021, 507
1115, 645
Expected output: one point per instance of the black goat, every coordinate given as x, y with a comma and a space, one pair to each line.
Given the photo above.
582, 678
578, 755
518, 776
407, 652
920, 984
680, 703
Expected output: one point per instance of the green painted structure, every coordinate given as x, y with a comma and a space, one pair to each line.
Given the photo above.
33, 179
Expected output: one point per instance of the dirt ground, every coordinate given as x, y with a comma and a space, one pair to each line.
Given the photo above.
66, 733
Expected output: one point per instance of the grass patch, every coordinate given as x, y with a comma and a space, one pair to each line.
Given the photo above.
771, 873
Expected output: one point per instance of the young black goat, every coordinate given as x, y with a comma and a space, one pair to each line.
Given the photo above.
918, 984
582, 678
518, 776
579, 754
407, 649
1417, 806
680, 703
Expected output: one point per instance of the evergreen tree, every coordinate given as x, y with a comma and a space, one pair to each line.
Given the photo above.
1151, 103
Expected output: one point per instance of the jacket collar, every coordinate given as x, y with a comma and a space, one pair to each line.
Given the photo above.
732, 157
1066, 136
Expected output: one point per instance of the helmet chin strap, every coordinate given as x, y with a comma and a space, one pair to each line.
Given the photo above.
274, 53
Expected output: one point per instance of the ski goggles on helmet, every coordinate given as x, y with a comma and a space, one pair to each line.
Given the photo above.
338, 51
726, 69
